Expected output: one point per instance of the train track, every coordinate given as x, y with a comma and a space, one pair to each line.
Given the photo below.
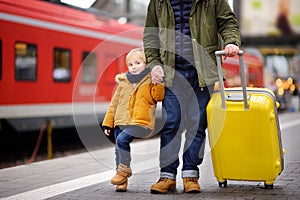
17, 148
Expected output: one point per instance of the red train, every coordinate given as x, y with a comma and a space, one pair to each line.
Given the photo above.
254, 67
57, 60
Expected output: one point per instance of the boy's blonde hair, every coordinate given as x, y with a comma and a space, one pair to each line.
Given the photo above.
138, 52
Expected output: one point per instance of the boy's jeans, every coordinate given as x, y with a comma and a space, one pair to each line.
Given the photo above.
124, 136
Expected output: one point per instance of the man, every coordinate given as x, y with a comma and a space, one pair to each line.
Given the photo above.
180, 39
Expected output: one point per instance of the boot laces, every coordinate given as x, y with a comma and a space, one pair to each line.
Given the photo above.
163, 180
192, 179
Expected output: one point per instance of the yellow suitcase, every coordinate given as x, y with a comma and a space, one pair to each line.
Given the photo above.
244, 132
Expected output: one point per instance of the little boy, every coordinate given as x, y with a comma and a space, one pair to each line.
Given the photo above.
131, 113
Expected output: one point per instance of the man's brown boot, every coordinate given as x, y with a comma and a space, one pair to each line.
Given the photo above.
191, 185
123, 173
122, 187
163, 186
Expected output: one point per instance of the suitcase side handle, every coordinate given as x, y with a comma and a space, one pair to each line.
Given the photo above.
242, 74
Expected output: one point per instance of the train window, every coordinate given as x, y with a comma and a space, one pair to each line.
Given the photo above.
62, 69
25, 61
89, 67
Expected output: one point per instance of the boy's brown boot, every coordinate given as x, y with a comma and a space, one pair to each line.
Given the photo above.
191, 185
122, 187
123, 172
163, 186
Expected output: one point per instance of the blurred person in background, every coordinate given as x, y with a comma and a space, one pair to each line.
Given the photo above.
282, 22
295, 97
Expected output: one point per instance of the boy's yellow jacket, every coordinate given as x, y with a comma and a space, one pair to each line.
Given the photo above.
134, 105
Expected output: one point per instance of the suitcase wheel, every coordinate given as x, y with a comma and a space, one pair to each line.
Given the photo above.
268, 186
224, 183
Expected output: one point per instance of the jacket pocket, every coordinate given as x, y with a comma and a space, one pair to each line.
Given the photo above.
208, 64
142, 111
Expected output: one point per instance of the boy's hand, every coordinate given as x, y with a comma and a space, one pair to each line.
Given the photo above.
107, 131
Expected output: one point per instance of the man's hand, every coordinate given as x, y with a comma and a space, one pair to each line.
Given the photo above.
157, 74
231, 50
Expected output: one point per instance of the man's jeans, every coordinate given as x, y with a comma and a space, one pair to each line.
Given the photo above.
184, 110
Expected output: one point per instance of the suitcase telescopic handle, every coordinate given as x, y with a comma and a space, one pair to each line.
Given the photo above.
219, 55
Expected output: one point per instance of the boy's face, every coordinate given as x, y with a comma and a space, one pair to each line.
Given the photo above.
135, 65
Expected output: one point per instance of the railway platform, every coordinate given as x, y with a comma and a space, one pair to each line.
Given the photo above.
87, 175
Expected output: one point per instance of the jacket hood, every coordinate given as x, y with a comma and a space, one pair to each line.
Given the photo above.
120, 77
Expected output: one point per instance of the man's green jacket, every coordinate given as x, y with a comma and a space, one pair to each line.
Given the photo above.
210, 20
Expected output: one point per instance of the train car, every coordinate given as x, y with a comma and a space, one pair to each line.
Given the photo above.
56, 61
